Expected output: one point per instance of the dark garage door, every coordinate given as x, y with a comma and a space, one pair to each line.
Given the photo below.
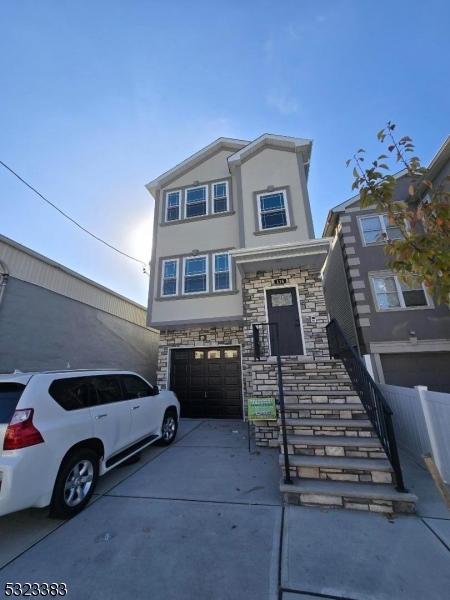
207, 382
431, 369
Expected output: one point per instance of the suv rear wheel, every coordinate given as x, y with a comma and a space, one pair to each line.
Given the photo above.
75, 484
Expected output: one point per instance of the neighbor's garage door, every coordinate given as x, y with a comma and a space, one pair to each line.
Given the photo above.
431, 369
207, 382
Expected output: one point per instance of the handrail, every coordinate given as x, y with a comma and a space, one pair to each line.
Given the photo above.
275, 344
378, 410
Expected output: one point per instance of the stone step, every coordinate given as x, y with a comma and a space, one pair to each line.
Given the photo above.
319, 445
312, 365
329, 427
364, 470
330, 410
320, 392
373, 497
319, 382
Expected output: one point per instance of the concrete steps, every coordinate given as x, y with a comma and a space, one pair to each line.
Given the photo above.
329, 427
343, 410
319, 445
374, 497
331, 468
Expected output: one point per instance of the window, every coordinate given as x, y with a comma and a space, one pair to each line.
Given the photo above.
392, 293
230, 353
173, 206
195, 275
199, 355
272, 210
135, 387
213, 354
169, 284
196, 202
376, 228
107, 389
220, 197
9, 398
71, 393
221, 272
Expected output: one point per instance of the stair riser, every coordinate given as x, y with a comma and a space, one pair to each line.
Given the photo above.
329, 450
328, 431
325, 414
332, 474
368, 505
301, 388
306, 397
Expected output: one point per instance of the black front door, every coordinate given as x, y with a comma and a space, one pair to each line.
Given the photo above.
282, 309
207, 382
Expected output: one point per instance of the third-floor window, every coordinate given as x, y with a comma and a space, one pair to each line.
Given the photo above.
272, 209
220, 197
376, 229
173, 206
196, 199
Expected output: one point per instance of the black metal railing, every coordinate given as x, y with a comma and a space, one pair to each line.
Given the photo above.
378, 410
266, 340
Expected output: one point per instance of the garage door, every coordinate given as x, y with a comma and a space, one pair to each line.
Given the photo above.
207, 382
431, 369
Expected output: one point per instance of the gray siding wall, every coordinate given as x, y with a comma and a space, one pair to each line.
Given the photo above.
42, 330
337, 296
374, 326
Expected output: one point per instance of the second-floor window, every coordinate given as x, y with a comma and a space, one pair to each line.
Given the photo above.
392, 293
196, 202
173, 206
376, 228
222, 278
220, 197
195, 277
170, 277
272, 209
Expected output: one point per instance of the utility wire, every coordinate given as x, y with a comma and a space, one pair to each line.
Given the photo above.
73, 221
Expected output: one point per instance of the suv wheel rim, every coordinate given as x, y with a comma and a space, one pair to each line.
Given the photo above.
168, 428
78, 483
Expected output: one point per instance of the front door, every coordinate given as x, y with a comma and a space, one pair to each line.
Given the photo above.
282, 308
207, 382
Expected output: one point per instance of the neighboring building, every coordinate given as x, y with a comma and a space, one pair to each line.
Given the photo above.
53, 318
233, 245
404, 333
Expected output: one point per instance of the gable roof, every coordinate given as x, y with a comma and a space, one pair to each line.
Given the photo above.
333, 213
194, 160
281, 142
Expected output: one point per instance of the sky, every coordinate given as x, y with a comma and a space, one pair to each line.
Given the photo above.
99, 97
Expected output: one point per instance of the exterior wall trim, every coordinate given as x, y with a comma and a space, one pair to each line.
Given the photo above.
238, 320
407, 346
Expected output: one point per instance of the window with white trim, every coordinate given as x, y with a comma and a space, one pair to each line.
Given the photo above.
272, 210
170, 278
392, 293
376, 229
173, 206
220, 197
195, 275
196, 202
222, 275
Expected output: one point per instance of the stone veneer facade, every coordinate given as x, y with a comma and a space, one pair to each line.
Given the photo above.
313, 316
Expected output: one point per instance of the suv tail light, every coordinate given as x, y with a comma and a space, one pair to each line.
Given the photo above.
21, 432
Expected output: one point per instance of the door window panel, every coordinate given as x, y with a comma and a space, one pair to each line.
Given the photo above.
282, 299
107, 389
230, 353
135, 387
199, 354
213, 354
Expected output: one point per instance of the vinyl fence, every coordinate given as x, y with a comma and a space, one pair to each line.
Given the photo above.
422, 423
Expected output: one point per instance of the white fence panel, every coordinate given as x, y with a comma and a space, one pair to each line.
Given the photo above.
418, 433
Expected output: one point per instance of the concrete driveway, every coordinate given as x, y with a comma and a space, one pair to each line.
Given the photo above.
203, 519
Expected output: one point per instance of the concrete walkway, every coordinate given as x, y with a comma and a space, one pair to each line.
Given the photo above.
203, 519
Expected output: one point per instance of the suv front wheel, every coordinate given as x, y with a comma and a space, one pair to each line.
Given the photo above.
169, 428
75, 484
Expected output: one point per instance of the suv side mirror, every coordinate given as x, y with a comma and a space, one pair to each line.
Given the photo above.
155, 390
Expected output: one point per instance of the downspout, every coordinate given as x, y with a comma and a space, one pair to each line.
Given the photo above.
3, 279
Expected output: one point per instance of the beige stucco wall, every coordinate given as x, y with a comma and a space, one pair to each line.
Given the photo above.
203, 235
280, 169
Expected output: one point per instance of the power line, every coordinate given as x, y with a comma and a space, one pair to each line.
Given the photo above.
73, 221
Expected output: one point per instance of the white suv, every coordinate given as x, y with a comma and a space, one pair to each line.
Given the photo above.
60, 430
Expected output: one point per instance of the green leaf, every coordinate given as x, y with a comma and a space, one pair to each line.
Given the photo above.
348, 162
355, 172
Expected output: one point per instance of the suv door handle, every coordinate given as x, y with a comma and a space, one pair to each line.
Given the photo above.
135, 407
101, 416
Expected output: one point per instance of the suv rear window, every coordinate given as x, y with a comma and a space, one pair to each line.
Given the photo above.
9, 398
71, 393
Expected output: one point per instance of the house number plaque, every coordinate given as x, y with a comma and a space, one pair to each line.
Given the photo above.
279, 281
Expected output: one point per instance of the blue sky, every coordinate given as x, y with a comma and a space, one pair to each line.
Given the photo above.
98, 97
